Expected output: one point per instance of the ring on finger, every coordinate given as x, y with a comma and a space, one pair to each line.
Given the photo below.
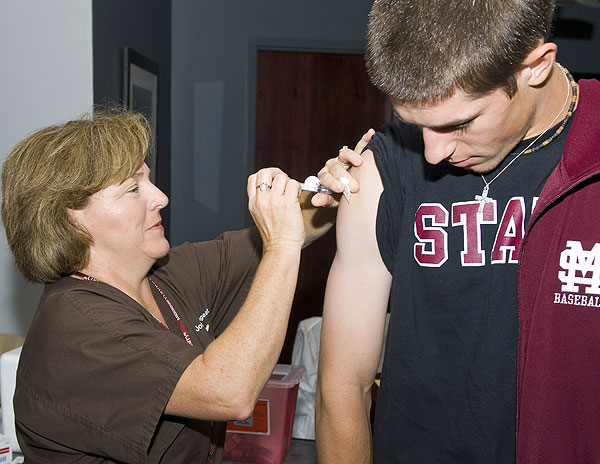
344, 165
263, 186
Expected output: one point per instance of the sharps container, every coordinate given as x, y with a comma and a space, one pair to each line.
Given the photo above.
265, 437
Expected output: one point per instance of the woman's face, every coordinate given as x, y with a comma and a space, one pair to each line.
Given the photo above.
124, 222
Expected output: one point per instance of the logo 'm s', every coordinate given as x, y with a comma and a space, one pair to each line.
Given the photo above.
580, 268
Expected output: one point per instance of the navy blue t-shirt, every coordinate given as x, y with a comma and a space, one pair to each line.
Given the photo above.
448, 386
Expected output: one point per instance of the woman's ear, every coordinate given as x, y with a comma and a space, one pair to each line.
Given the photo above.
76, 218
539, 63
73, 213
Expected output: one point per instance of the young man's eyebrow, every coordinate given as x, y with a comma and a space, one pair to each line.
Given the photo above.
452, 124
443, 127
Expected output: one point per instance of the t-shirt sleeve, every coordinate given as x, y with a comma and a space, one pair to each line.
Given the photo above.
384, 147
96, 375
398, 152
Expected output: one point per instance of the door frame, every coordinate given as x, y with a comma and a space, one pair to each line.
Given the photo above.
256, 44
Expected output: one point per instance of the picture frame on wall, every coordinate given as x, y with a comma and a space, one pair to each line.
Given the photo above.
140, 89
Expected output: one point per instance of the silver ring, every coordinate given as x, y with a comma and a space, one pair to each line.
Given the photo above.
263, 186
344, 165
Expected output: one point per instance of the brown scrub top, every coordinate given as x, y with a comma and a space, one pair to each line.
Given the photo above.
97, 370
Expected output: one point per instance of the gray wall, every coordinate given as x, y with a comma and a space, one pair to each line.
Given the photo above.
144, 26
213, 77
580, 56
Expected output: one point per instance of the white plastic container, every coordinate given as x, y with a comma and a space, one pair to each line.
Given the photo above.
8, 381
5, 450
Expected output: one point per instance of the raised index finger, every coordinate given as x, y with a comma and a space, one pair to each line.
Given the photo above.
364, 140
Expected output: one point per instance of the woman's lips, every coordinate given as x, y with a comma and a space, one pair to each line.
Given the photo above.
158, 225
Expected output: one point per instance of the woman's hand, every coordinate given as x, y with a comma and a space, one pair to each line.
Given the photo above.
336, 168
221, 384
273, 202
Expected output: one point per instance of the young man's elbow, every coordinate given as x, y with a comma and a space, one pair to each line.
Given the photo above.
323, 403
329, 392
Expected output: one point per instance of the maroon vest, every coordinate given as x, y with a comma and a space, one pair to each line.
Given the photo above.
558, 397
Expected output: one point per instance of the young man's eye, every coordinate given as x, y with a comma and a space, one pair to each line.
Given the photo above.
450, 129
134, 189
464, 126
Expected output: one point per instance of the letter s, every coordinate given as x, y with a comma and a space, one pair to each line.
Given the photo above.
431, 249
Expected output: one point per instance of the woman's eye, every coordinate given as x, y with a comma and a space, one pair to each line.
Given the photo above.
134, 189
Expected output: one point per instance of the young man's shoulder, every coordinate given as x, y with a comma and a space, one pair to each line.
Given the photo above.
396, 137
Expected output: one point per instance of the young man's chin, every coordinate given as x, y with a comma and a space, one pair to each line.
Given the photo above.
483, 167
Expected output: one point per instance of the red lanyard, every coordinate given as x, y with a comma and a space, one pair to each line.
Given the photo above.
187, 339
177, 318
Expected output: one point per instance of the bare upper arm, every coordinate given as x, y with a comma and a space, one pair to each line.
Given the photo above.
357, 288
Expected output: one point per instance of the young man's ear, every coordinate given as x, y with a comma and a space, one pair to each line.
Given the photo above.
539, 63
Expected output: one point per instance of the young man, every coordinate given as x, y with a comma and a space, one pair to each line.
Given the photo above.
476, 224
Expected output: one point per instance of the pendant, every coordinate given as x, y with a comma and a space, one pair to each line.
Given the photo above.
483, 198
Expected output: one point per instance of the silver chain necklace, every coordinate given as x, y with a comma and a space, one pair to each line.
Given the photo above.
483, 198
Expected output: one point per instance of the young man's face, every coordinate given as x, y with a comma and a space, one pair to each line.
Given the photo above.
472, 133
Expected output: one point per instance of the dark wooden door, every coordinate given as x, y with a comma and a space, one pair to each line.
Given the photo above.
308, 106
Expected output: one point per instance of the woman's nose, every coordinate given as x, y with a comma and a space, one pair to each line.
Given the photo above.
159, 199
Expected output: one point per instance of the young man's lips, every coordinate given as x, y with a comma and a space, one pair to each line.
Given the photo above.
461, 163
157, 225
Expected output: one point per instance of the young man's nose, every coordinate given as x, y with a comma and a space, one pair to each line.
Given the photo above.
438, 146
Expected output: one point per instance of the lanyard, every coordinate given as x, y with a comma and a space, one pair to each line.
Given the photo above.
187, 339
177, 318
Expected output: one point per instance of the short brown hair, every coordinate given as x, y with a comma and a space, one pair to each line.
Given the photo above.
58, 168
423, 51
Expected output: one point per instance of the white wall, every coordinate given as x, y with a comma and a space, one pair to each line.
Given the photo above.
45, 78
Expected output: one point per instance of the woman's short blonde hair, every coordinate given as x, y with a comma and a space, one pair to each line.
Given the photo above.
58, 168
